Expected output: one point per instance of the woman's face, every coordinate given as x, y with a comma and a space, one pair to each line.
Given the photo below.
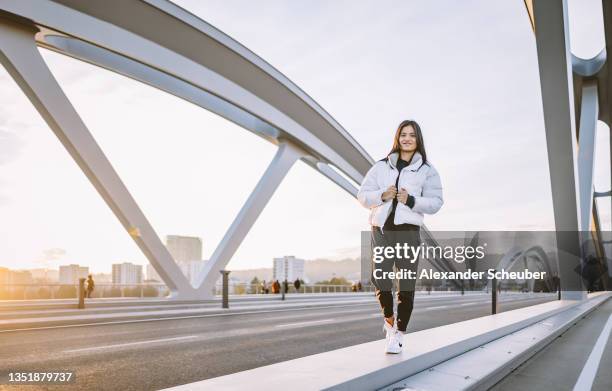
407, 139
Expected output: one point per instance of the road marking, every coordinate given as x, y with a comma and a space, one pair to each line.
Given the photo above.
228, 333
131, 344
587, 376
355, 304
183, 317
306, 323
437, 307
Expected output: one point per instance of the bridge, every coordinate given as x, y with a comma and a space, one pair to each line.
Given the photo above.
193, 344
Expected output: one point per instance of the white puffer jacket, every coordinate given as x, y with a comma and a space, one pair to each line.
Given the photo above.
421, 181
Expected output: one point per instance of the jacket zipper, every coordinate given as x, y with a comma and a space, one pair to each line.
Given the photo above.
397, 180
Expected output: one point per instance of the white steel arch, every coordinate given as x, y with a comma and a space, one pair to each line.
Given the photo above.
159, 43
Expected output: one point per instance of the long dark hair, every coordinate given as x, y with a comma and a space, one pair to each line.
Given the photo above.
419, 137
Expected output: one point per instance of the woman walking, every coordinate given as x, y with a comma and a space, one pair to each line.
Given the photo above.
399, 190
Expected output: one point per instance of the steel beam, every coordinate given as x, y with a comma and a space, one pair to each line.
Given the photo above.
589, 111
19, 55
282, 162
554, 62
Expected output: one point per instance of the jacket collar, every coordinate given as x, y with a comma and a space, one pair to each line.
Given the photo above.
414, 164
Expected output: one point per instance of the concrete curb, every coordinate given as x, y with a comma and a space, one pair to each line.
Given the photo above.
486, 365
366, 367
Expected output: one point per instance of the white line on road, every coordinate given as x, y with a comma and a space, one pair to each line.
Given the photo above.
437, 307
180, 317
587, 376
130, 344
306, 323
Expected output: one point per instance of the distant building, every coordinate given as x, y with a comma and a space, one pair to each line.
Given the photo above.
70, 274
103, 278
4, 276
289, 268
152, 275
45, 276
127, 273
184, 248
20, 277
187, 252
11, 277
191, 269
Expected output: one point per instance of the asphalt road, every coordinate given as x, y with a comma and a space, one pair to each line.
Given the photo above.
163, 353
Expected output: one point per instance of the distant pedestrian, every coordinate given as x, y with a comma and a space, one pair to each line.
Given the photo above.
264, 287
276, 287
359, 287
297, 284
90, 286
286, 286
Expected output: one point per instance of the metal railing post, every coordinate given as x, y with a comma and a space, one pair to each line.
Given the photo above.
494, 296
225, 289
81, 293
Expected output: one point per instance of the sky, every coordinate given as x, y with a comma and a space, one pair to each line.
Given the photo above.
466, 71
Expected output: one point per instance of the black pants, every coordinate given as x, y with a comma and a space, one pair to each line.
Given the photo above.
384, 286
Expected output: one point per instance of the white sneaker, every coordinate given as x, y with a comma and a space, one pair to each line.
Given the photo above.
399, 336
393, 345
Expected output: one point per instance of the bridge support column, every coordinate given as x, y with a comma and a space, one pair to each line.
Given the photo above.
20, 56
282, 162
554, 61
589, 112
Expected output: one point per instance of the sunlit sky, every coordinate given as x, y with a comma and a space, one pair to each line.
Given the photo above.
467, 71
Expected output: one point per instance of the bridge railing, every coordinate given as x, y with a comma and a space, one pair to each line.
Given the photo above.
69, 291
258, 289
152, 290
107, 290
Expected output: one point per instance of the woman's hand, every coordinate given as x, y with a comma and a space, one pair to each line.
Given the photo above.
390, 193
402, 196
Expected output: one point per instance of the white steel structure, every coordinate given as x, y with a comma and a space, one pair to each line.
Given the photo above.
161, 44
576, 93
184, 248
